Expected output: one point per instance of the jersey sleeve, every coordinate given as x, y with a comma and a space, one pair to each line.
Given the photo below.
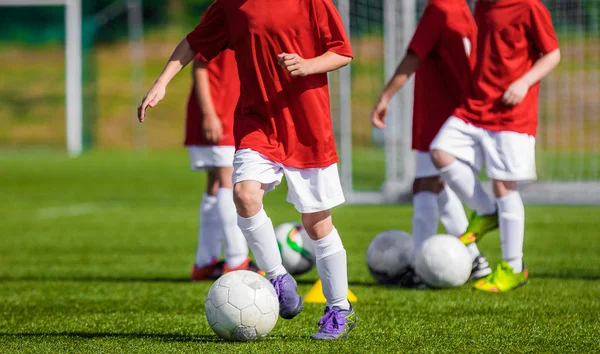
333, 36
210, 37
428, 32
542, 30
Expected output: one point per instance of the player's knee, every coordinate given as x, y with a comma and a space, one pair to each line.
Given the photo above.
503, 188
428, 184
441, 158
317, 225
247, 198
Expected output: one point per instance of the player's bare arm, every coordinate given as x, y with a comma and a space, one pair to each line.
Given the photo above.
211, 124
182, 55
405, 69
298, 66
517, 91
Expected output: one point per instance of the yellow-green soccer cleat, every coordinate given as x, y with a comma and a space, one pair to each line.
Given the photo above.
479, 225
502, 279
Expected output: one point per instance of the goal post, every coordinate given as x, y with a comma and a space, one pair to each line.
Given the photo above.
73, 64
81, 30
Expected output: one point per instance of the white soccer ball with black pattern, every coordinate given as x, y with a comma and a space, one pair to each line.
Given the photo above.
443, 262
242, 306
389, 256
295, 246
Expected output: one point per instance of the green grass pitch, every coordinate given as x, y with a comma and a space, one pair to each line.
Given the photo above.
95, 255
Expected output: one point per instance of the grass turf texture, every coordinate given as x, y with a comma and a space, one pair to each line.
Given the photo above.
95, 255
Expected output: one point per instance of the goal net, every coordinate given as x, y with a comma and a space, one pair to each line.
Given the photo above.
378, 167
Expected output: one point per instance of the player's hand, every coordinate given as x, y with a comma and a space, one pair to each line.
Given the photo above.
379, 113
155, 95
212, 129
294, 64
515, 93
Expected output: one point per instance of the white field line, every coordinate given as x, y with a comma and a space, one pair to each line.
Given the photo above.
67, 211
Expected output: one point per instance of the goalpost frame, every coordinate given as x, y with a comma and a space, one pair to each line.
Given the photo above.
73, 63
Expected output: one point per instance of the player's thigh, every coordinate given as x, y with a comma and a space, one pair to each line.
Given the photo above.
207, 157
224, 176
461, 140
510, 156
249, 165
427, 176
313, 190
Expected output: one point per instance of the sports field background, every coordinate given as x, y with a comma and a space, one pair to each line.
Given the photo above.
95, 255
95, 252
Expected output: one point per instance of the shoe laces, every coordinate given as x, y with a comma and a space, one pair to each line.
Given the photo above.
278, 284
330, 321
500, 272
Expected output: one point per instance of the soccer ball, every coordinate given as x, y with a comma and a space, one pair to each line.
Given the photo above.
443, 262
242, 306
389, 256
296, 248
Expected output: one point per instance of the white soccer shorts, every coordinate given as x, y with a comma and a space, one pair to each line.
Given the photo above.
508, 156
425, 167
310, 190
206, 157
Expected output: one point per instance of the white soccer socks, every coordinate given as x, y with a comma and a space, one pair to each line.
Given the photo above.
332, 268
453, 217
209, 231
511, 218
425, 218
236, 249
452, 213
461, 178
260, 235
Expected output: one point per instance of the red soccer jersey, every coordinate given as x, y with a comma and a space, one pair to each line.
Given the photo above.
513, 35
224, 87
286, 119
445, 44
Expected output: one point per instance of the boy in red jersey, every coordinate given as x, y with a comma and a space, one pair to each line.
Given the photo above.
284, 50
516, 48
209, 139
443, 55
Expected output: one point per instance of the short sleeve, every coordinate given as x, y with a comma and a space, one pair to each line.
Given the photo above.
210, 37
542, 30
331, 29
428, 32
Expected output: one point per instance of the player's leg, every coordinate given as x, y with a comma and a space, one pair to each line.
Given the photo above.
235, 250
206, 264
434, 201
426, 186
313, 192
456, 152
253, 176
455, 222
510, 158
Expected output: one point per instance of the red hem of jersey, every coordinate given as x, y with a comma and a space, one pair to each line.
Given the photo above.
198, 54
344, 53
494, 128
416, 52
318, 164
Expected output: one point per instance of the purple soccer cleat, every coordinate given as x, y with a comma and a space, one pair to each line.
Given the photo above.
335, 324
290, 303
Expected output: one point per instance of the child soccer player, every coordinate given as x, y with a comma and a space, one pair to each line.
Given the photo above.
284, 50
516, 48
209, 139
442, 52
